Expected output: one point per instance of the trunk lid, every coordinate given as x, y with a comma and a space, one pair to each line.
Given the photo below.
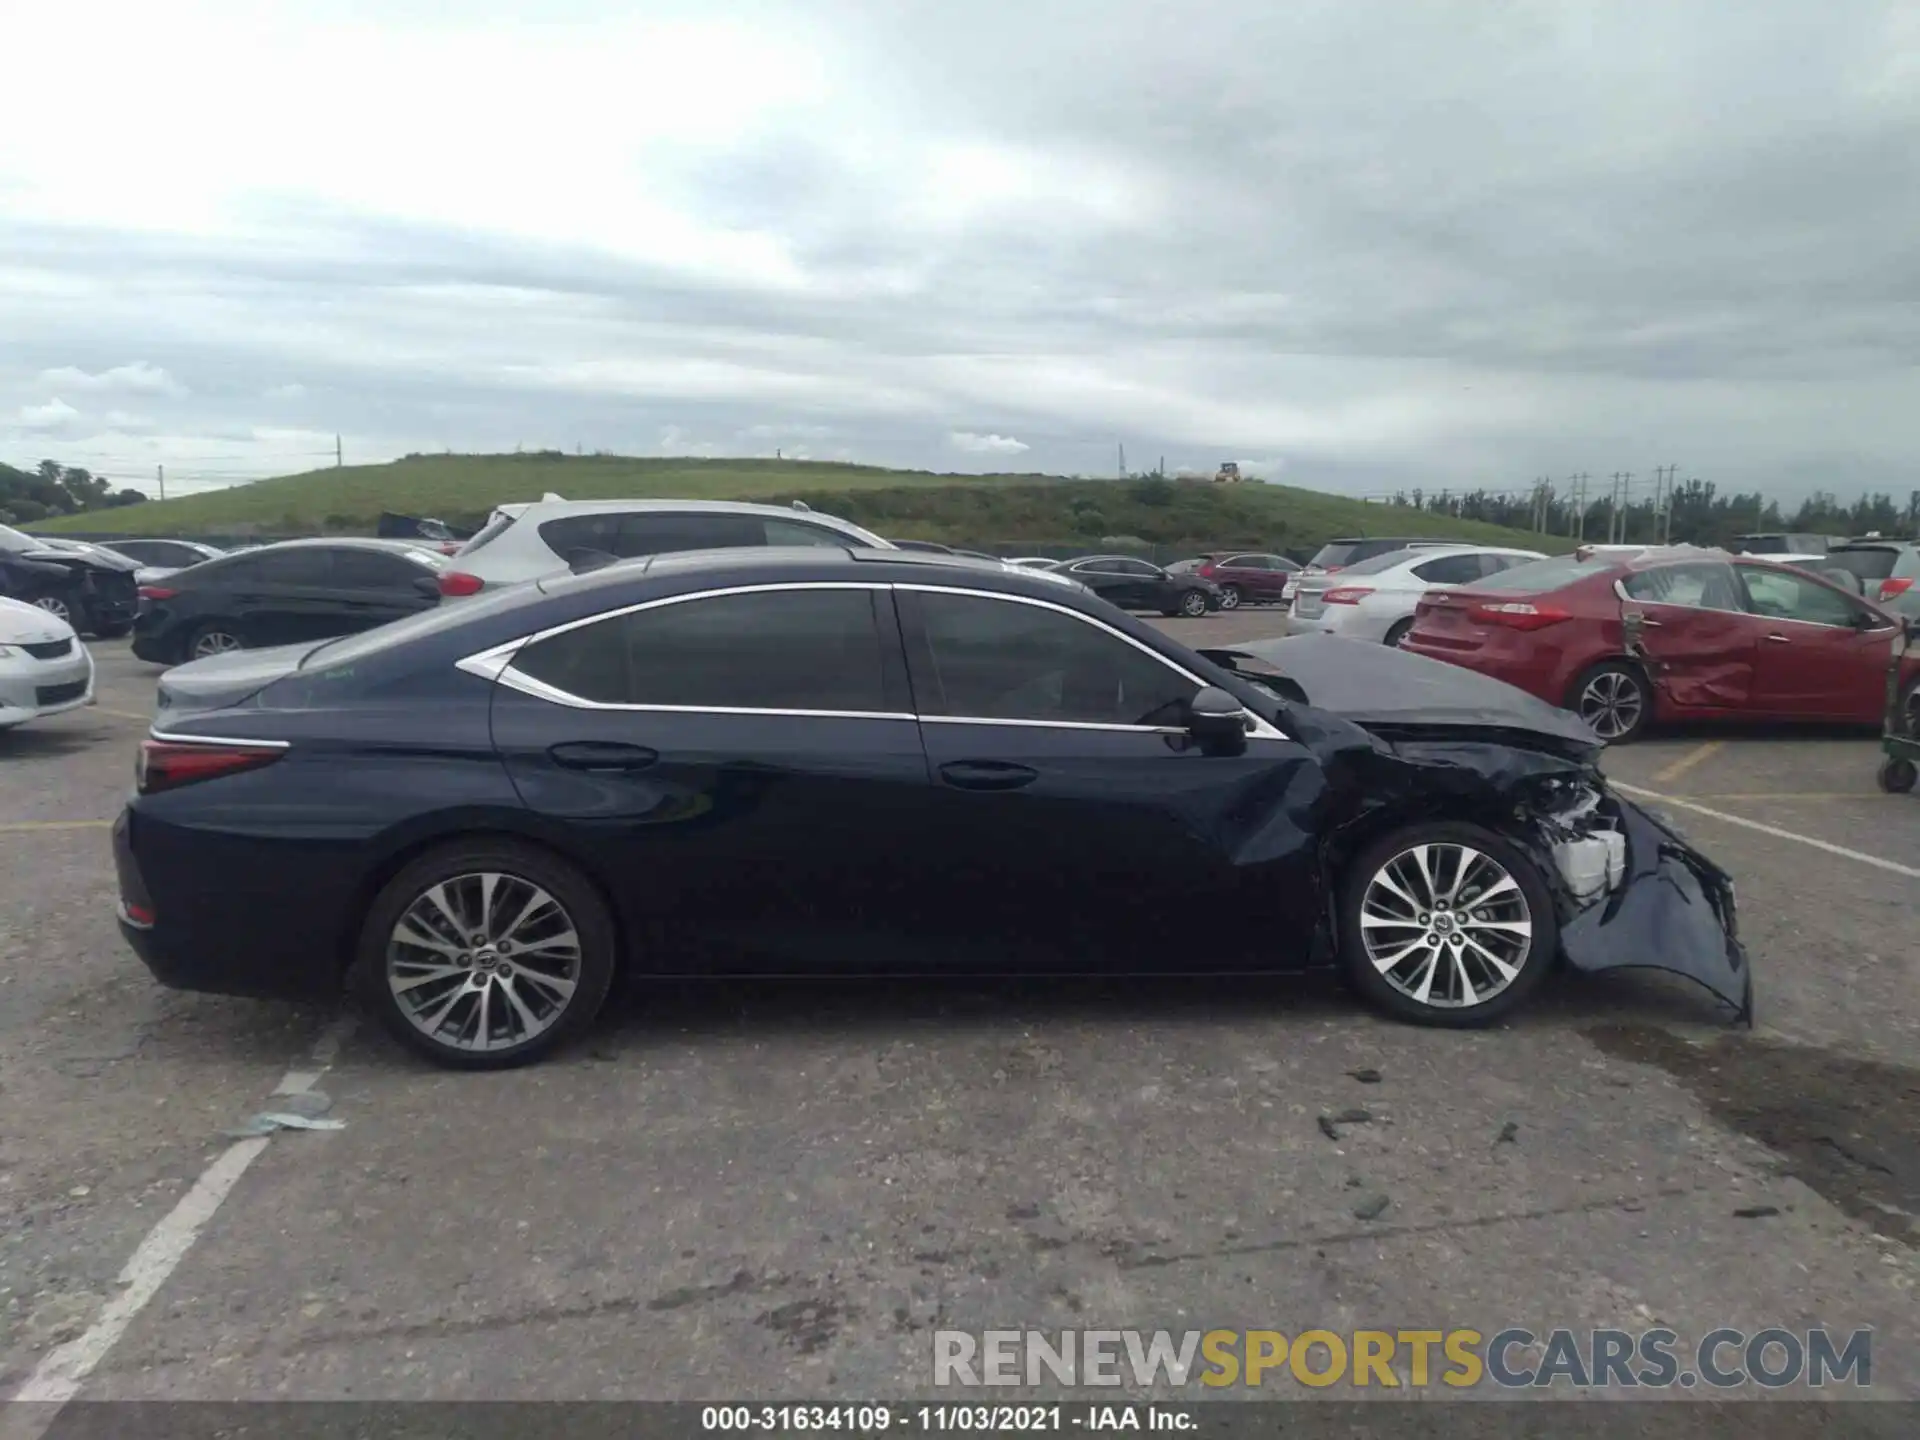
221, 681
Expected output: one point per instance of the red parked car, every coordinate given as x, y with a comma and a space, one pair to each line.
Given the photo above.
1248, 577
1670, 634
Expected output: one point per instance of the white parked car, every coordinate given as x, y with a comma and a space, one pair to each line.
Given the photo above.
1374, 599
44, 668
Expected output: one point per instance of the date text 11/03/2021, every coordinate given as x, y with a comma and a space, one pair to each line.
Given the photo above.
877, 1418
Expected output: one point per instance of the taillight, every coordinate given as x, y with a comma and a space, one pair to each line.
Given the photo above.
459, 582
169, 764
1346, 595
1518, 614
1206, 570
157, 592
1890, 588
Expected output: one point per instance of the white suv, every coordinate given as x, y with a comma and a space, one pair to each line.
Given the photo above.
552, 536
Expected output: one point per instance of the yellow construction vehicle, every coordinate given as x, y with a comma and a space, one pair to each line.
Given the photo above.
1229, 473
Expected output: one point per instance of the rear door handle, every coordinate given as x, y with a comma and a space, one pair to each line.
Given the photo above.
987, 774
1779, 639
602, 755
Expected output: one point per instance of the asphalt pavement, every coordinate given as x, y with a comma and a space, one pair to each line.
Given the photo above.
785, 1189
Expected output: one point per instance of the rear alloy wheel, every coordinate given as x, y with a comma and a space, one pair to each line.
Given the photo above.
1230, 597
1613, 698
1193, 603
1446, 925
58, 608
486, 956
213, 640
1399, 631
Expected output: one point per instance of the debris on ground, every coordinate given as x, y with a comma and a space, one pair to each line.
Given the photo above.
1509, 1132
1371, 1208
1366, 1075
267, 1122
1355, 1116
1326, 1127
1756, 1212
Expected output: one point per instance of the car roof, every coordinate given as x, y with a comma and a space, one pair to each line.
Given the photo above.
774, 563
538, 510
351, 542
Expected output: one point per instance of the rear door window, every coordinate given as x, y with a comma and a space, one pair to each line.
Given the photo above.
794, 650
305, 566
663, 533
373, 570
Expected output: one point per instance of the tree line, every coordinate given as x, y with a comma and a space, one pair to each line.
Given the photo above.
1701, 515
51, 489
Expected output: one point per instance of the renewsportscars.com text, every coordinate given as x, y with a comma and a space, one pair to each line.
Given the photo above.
1656, 1358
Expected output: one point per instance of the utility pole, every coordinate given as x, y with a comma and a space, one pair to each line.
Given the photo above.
160, 474
1123, 462
1577, 491
337, 461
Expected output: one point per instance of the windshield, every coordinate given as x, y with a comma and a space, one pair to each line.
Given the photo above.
1541, 575
1762, 545
1867, 562
1334, 553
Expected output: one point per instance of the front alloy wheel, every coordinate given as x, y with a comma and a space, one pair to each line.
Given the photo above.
56, 607
1193, 603
488, 956
1446, 925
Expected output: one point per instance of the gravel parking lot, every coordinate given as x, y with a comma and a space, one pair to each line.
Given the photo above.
781, 1190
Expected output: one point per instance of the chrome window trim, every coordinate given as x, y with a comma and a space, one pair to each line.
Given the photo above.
495, 664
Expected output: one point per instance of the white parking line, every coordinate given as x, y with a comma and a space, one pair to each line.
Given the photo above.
1774, 830
62, 1371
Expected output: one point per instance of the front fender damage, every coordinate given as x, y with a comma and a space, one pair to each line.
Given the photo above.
1629, 891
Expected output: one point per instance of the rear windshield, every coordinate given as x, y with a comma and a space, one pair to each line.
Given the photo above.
1537, 576
1868, 562
1336, 553
488, 534
351, 648
1374, 564
1762, 545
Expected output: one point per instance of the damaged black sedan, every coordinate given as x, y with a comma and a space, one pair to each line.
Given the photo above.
836, 763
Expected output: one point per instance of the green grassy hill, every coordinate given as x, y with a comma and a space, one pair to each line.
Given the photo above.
987, 510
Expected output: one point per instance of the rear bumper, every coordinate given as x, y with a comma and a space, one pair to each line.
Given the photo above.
187, 914
1522, 672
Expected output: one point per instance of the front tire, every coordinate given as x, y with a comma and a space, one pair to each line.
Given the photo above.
1192, 604
1615, 699
1230, 597
487, 954
1446, 925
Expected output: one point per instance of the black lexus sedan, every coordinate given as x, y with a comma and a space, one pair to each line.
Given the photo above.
831, 763
284, 593
1138, 585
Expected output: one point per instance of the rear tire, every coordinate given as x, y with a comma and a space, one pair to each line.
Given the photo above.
57, 606
1615, 699
509, 989
215, 637
1507, 924
1398, 631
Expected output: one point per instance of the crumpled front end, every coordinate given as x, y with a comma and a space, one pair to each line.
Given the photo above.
1635, 895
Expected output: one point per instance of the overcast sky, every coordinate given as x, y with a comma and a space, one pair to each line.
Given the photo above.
1355, 244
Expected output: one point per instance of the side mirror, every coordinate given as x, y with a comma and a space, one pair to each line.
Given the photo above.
1217, 722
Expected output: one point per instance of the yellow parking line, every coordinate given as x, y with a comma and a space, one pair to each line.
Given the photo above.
1798, 795
122, 714
1688, 761
13, 826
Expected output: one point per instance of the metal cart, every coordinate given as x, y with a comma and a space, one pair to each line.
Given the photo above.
1900, 770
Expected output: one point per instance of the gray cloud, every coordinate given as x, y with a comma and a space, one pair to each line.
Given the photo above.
1369, 245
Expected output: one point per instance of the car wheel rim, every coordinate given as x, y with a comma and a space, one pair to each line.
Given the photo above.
1195, 603
55, 606
1229, 599
483, 962
215, 642
1611, 704
1447, 926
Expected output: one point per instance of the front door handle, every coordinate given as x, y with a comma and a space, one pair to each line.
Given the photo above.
987, 774
602, 755
1779, 639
